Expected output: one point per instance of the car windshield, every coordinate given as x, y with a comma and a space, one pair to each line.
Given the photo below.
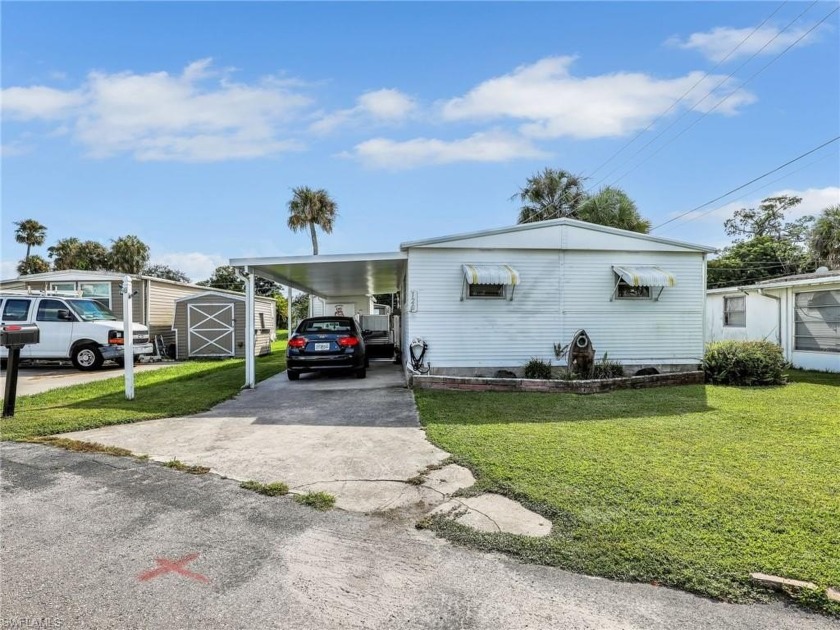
91, 310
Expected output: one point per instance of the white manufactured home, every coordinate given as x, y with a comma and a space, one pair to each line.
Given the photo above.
800, 313
492, 300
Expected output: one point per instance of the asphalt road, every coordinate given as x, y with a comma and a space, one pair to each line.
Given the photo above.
92, 541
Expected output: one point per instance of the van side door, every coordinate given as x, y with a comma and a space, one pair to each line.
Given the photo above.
55, 319
16, 311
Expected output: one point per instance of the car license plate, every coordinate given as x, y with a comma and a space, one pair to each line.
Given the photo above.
322, 346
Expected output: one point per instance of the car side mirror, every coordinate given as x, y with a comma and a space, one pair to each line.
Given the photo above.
64, 314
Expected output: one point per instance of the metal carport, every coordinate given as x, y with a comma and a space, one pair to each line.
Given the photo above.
323, 276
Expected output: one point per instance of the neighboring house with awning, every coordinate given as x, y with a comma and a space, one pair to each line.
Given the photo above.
801, 313
493, 299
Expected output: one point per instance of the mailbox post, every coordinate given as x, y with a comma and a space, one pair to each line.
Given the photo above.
15, 337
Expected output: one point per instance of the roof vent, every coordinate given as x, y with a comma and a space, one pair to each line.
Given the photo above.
821, 271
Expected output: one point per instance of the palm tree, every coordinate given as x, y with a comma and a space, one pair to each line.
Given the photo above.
551, 194
32, 264
825, 238
128, 254
310, 209
612, 207
65, 253
30, 232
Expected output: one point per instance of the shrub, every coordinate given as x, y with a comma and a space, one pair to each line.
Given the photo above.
607, 369
744, 363
537, 368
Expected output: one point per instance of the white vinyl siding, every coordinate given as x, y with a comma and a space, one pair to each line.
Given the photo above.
559, 293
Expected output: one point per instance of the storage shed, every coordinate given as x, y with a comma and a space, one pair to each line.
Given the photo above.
210, 325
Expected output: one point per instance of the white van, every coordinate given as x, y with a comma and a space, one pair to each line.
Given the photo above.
79, 329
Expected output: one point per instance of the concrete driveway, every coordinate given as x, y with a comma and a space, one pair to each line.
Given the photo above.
35, 380
359, 439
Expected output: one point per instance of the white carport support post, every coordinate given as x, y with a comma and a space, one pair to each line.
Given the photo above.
128, 338
250, 333
289, 312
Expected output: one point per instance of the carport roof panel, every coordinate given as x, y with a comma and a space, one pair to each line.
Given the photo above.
332, 275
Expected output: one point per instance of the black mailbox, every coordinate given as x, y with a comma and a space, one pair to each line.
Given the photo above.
19, 335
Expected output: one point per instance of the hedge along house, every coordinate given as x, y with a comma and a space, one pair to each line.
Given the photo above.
494, 299
154, 304
801, 313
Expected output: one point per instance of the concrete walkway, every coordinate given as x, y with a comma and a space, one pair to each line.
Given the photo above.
36, 380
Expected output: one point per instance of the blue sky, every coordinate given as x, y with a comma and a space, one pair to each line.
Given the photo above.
188, 124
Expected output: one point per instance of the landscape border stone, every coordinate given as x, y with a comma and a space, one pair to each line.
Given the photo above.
593, 386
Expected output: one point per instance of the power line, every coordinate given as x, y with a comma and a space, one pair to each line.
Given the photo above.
687, 92
724, 99
767, 185
752, 181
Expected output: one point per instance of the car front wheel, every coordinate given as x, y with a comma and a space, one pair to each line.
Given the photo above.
87, 358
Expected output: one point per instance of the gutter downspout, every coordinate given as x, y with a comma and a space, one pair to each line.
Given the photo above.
778, 316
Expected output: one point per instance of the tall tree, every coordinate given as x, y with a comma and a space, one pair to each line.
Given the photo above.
551, 194
67, 254
30, 233
128, 254
611, 206
769, 220
32, 264
310, 208
759, 258
824, 239
166, 272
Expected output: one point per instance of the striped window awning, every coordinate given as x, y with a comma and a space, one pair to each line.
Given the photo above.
646, 276
491, 274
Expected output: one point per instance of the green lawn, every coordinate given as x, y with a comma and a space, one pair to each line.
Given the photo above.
180, 390
692, 487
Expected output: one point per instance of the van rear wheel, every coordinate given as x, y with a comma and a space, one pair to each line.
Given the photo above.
87, 358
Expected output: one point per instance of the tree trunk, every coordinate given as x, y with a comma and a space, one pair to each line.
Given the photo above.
28, 247
314, 239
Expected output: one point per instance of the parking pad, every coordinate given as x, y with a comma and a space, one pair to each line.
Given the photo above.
359, 439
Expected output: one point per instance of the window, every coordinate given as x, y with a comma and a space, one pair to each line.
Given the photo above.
99, 291
486, 290
735, 311
626, 291
48, 311
817, 321
495, 282
16, 310
69, 287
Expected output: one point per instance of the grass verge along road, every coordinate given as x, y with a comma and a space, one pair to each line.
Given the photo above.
693, 487
181, 390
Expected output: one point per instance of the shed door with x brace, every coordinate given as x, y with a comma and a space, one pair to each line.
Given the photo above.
210, 330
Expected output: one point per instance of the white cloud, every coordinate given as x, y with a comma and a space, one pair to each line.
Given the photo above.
196, 265
199, 115
814, 200
38, 101
553, 103
717, 43
14, 148
379, 106
492, 146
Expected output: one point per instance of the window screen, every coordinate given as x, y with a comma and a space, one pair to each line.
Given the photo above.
625, 291
735, 311
817, 321
486, 290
